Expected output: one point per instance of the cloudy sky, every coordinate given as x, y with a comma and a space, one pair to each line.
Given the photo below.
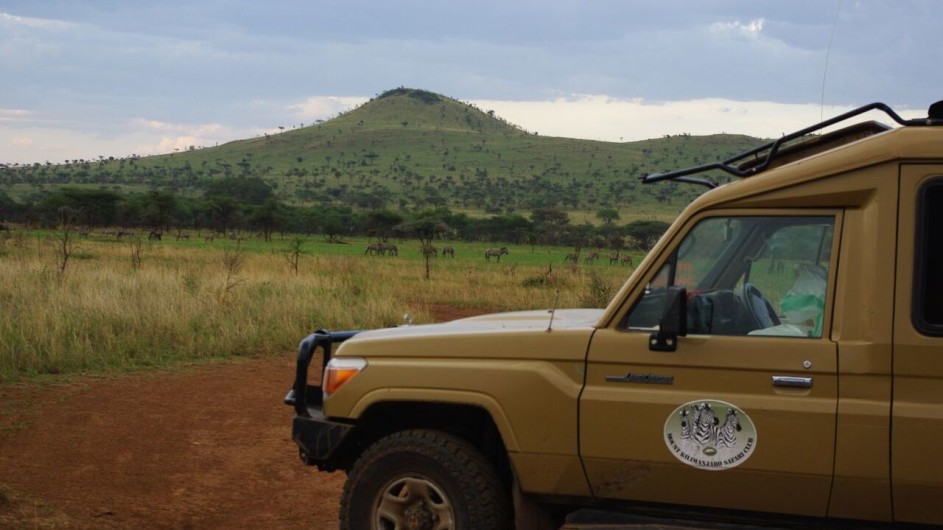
90, 78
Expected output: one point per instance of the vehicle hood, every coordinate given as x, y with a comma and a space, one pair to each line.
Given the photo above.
559, 334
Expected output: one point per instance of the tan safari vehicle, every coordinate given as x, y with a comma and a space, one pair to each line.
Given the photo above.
777, 357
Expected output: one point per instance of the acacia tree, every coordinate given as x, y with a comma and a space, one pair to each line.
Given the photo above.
607, 215
294, 253
380, 223
646, 232
65, 245
549, 223
159, 209
425, 227
268, 218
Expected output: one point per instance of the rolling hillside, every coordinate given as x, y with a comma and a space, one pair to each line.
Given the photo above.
414, 149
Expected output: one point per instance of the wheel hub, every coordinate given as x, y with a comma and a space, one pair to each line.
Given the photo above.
419, 517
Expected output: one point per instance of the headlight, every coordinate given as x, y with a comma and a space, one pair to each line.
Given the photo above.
340, 370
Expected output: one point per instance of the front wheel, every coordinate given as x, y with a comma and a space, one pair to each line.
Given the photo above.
423, 480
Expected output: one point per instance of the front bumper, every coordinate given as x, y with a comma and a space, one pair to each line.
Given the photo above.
318, 438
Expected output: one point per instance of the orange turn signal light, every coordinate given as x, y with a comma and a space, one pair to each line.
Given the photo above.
339, 371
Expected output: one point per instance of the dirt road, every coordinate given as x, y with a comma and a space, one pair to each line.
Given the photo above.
200, 446
204, 446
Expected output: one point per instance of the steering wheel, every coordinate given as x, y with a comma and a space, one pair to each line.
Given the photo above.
757, 306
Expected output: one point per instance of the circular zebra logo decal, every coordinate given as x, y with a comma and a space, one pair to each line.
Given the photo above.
710, 434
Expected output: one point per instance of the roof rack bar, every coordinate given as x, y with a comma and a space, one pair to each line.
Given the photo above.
772, 149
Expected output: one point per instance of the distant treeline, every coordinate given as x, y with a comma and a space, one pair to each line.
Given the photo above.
249, 205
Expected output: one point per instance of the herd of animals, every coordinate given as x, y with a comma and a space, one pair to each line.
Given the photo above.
380, 248
430, 251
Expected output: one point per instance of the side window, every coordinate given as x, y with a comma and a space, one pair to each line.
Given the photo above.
927, 312
747, 276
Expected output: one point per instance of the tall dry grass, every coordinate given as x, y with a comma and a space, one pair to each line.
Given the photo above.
112, 310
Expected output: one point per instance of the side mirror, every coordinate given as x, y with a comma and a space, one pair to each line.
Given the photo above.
674, 322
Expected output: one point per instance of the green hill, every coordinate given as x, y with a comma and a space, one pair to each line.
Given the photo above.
413, 149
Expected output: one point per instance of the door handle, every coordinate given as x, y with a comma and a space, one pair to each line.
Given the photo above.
792, 382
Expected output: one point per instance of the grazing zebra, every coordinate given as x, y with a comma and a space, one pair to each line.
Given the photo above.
429, 251
591, 258
627, 261
154, 235
389, 248
727, 434
614, 258
448, 251
572, 257
374, 249
498, 252
182, 235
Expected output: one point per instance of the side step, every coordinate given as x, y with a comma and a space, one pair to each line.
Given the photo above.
591, 519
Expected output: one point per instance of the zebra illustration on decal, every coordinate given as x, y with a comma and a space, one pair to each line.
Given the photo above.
695, 435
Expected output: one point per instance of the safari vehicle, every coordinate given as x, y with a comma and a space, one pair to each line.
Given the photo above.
778, 355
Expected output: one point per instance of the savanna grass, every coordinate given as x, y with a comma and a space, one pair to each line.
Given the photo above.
186, 303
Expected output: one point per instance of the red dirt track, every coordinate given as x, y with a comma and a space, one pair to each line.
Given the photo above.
201, 447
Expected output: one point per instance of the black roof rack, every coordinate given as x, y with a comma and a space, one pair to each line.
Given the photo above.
740, 166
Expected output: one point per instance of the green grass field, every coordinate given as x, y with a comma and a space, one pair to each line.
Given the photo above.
190, 300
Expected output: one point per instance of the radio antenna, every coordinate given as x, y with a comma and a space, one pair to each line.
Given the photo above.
828, 51
553, 311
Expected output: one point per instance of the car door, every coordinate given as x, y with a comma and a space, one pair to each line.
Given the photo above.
741, 414
917, 413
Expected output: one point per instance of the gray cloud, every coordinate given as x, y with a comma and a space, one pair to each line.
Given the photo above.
95, 67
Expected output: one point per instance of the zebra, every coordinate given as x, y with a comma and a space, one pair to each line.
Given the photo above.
155, 235
705, 425
448, 251
498, 252
572, 257
389, 248
182, 235
591, 258
429, 251
685, 426
727, 433
374, 249
627, 261
614, 258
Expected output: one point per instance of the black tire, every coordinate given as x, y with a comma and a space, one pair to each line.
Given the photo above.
433, 479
